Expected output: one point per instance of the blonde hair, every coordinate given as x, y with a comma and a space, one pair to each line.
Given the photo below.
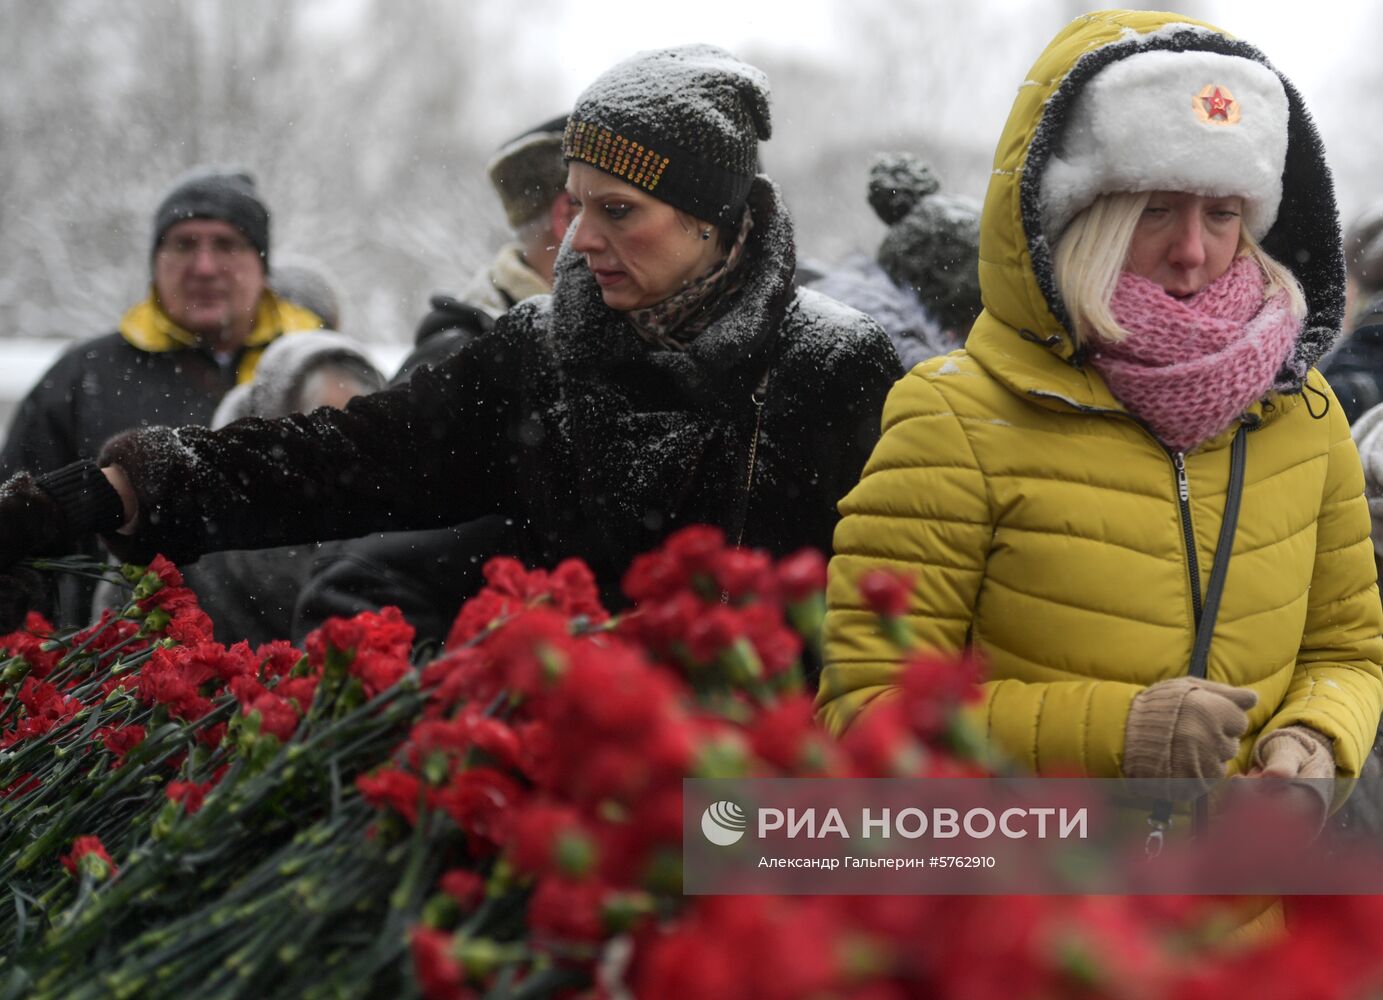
1090, 257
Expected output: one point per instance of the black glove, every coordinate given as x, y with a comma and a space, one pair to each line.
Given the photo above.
47, 516
31, 522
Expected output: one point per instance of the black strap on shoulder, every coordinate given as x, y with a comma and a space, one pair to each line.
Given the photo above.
1200, 653
1205, 629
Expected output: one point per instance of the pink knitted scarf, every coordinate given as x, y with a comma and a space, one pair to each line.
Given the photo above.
1190, 367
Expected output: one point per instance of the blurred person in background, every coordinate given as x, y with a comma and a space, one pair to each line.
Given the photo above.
530, 178
200, 330
1355, 368
674, 376
923, 285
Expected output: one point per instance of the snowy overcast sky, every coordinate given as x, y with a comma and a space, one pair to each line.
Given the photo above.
1316, 44
1305, 39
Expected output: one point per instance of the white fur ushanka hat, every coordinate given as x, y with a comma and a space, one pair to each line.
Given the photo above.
1203, 122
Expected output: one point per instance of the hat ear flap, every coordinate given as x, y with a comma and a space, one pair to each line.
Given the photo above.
897, 183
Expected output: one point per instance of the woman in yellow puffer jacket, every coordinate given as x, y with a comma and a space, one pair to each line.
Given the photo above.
1133, 450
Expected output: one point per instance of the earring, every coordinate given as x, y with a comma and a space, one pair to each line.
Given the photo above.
706, 233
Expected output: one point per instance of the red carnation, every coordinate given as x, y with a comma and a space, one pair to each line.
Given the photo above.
189, 793
696, 549
481, 801
168, 574
933, 686
548, 837
27, 642
277, 716
277, 658
886, 593
778, 647
802, 575
120, 740
744, 573
663, 624
438, 970
246, 690
88, 857
464, 886
713, 633
575, 592
653, 576
565, 910
390, 788
478, 614
788, 737
210, 660
189, 626
299, 690
378, 671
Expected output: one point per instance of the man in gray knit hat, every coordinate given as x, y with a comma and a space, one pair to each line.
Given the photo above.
199, 331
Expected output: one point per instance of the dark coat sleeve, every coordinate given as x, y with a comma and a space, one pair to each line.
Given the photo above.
425, 574
432, 452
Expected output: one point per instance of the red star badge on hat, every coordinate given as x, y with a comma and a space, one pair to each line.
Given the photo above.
1216, 105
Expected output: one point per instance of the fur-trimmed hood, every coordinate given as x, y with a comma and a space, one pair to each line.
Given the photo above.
1016, 277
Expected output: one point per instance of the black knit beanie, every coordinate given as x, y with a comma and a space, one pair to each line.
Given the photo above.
683, 124
933, 241
228, 196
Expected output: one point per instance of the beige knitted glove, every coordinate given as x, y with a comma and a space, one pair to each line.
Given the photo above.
1304, 757
1295, 752
1185, 729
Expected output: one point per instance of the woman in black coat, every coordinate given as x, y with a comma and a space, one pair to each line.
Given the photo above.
674, 376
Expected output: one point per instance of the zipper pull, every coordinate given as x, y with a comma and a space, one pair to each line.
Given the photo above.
1183, 489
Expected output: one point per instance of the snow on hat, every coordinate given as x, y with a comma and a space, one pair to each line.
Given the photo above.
683, 124
1364, 250
933, 240
528, 172
209, 193
1201, 122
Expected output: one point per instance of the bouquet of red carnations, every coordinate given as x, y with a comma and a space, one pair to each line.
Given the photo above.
179, 818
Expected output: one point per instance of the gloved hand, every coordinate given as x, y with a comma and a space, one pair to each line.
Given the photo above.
1185, 729
1295, 752
30, 520
47, 516
1306, 759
